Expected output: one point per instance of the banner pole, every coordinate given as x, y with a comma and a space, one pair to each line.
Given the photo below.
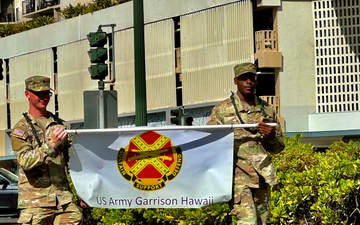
147, 128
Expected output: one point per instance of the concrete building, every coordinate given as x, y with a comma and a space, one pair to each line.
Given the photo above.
12, 11
307, 52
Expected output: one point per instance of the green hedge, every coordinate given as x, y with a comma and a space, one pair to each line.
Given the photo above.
315, 187
68, 12
81, 9
8, 29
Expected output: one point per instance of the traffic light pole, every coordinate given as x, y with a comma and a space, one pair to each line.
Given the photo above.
101, 86
101, 83
139, 54
1, 70
182, 115
179, 117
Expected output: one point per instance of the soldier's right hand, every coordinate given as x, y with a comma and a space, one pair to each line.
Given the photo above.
58, 135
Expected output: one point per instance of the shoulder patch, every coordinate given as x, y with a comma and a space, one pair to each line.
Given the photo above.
18, 133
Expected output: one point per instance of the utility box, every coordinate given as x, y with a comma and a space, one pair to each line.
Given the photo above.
92, 109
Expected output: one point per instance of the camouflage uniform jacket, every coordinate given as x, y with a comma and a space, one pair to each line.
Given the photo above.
42, 174
251, 151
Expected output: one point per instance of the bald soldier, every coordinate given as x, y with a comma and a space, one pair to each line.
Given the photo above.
253, 170
41, 145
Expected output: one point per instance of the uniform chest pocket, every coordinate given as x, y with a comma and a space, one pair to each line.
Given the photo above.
256, 117
229, 118
34, 141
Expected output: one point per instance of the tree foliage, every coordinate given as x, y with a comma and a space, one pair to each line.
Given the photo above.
317, 187
39, 21
67, 13
81, 9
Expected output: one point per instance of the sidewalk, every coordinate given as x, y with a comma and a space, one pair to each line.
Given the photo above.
8, 221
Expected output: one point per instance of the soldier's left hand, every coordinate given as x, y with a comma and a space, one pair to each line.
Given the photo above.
266, 130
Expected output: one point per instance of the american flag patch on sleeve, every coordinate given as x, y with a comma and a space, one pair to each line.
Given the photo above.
18, 133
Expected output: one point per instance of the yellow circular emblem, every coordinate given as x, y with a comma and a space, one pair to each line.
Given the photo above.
149, 161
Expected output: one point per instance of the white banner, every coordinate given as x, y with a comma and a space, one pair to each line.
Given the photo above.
159, 168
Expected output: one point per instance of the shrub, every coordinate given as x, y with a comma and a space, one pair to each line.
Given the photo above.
316, 187
81, 9
39, 21
217, 214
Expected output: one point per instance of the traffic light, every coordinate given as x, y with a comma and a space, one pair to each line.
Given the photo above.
98, 54
1, 70
176, 116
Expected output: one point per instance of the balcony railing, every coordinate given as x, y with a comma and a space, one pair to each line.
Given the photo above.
7, 16
275, 103
266, 40
266, 49
30, 6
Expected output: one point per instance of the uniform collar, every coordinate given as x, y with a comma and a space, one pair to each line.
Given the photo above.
33, 119
245, 107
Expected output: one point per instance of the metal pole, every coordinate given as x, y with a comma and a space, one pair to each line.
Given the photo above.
204, 127
139, 53
101, 104
113, 53
101, 83
182, 117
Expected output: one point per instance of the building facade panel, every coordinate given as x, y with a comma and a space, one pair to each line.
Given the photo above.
337, 49
211, 44
125, 74
72, 79
160, 65
21, 67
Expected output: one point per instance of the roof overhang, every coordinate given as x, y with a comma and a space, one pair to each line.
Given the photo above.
322, 139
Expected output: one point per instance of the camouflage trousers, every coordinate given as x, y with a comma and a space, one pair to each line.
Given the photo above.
253, 207
61, 215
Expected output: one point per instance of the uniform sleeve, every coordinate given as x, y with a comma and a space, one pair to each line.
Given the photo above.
28, 156
215, 117
69, 148
70, 138
276, 145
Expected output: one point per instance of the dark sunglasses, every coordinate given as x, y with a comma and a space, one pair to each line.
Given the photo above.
42, 94
246, 76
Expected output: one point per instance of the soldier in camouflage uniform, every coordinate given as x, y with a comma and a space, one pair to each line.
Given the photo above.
253, 171
41, 145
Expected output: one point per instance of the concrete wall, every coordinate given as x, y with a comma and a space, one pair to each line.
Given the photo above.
76, 29
65, 3
297, 77
298, 74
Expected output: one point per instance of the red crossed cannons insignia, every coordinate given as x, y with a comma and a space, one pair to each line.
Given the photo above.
149, 161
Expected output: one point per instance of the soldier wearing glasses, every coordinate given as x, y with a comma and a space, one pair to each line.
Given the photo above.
41, 145
253, 170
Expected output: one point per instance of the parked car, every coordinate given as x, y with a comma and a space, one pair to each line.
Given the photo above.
8, 193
